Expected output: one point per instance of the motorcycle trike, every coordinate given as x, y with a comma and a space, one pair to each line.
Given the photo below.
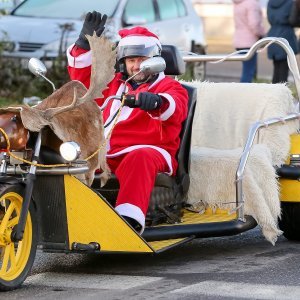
45, 205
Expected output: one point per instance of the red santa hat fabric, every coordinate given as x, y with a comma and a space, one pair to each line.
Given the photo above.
138, 36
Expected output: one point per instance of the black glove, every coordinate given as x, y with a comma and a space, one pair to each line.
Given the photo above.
93, 22
149, 101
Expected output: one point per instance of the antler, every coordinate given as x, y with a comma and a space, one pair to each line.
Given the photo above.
49, 113
32, 118
103, 69
11, 109
103, 66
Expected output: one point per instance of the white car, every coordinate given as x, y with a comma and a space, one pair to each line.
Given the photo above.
42, 28
6, 5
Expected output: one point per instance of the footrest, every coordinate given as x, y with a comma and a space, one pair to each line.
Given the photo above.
288, 172
160, 246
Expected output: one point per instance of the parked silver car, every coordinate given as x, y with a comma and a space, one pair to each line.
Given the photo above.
42, 28
7, 5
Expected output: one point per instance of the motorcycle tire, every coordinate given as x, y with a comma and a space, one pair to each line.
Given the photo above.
290, 220
16, 258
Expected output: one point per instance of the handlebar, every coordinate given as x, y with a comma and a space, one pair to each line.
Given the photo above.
129, 100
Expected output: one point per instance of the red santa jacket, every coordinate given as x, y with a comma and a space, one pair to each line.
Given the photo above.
136, 128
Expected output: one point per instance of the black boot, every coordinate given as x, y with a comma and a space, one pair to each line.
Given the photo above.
133, 223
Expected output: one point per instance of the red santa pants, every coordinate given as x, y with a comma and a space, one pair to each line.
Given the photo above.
136, 172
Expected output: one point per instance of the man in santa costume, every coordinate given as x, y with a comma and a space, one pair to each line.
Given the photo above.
145, 140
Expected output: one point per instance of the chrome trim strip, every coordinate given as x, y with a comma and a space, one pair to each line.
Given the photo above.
17, 170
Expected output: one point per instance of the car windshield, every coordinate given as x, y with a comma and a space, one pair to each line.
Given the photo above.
64, 9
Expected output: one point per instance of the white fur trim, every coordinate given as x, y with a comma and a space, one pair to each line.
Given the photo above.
107, 145
131, 211
170, 110
82, 61
124, 114
139, 40
163, 152
160, 77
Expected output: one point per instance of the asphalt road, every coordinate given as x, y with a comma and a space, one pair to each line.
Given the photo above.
238, 267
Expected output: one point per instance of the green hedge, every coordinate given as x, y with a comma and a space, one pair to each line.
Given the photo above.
17, 82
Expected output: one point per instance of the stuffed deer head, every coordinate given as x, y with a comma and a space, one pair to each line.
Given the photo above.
71, 112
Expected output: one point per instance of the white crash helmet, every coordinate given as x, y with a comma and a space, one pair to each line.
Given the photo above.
137, 41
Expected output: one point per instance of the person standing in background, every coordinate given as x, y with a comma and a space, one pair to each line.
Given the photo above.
248, 23
279, 12
294, 18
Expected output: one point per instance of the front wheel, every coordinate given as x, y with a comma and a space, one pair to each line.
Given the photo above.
16, 258
290, 220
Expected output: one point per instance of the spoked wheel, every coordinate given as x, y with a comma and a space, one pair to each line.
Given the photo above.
16, 258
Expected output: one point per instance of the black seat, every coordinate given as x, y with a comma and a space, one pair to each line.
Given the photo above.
169, 193
174, 62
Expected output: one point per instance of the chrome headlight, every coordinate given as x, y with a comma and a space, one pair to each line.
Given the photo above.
70, 151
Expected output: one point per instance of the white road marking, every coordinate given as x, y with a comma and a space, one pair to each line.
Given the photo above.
241, 290
90, 281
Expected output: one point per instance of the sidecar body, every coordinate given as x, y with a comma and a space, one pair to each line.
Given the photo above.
59, 213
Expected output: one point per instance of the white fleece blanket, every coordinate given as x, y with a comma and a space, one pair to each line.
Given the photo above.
223, 116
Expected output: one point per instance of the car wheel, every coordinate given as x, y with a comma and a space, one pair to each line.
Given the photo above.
290, 220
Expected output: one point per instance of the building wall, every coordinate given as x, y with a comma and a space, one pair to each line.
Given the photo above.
218, 22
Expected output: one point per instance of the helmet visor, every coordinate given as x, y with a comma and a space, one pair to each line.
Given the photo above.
137, 50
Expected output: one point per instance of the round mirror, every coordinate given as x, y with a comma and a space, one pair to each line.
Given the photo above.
153, 65
36, 67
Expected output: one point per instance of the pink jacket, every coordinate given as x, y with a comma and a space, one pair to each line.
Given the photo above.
248, 23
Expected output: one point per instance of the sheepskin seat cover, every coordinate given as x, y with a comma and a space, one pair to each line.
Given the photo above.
223, 116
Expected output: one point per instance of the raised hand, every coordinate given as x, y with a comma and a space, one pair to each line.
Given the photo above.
94, 21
